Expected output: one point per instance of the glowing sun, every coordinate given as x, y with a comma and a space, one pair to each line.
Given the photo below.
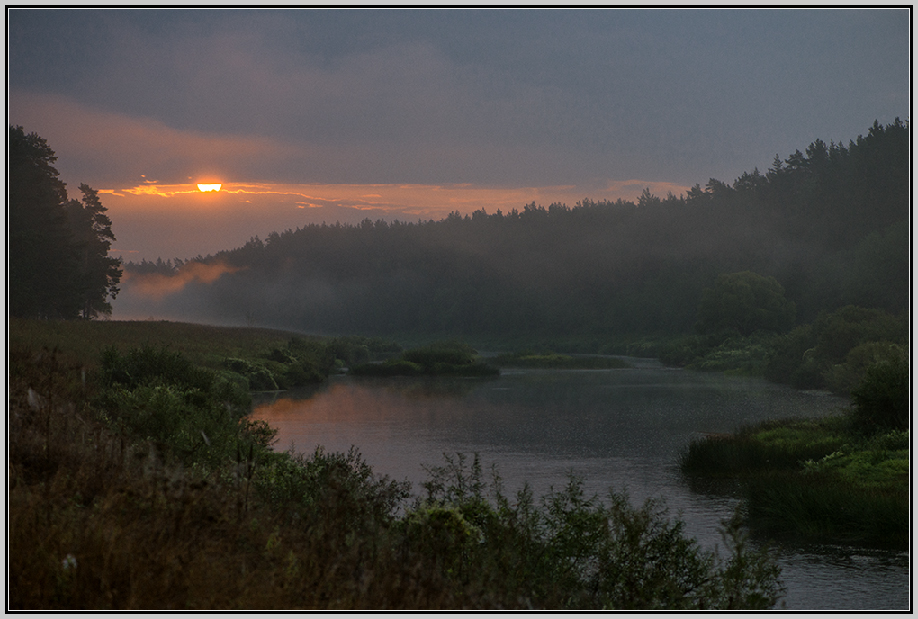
209, 186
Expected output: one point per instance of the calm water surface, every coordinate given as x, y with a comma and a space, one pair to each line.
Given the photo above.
622, 429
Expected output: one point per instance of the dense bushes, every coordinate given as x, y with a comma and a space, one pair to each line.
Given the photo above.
810, 356
158, 395
576, 552
882, 399
834, 352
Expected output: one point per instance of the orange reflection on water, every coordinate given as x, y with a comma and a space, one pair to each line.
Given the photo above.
382, 423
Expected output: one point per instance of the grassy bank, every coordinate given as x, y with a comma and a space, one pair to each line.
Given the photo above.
819, 480
834, 352
144, 486
255, 358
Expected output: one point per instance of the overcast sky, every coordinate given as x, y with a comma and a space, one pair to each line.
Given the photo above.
297, 111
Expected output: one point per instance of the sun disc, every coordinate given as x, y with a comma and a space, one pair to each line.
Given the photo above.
209, 186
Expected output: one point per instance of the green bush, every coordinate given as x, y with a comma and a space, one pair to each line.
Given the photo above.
810, 355
556, 361
151, 365
570, 551
336, 486
357, 350
432, 355
158, 395
845, 377
882, 399
258, 377
682, 351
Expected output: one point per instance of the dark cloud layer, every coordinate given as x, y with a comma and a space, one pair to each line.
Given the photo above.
522, 97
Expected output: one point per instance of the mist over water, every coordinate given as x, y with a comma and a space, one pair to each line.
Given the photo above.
613, 428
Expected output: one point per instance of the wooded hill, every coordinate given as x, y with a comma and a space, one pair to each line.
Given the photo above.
831, 225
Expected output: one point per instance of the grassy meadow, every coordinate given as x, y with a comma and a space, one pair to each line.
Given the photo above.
83, 341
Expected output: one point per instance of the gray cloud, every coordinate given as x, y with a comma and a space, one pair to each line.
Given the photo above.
480, 96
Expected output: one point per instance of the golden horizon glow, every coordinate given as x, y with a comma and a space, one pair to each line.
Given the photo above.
205, 187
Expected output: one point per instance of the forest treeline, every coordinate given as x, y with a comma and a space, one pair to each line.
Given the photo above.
830, 225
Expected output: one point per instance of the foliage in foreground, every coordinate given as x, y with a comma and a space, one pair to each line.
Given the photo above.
104, 515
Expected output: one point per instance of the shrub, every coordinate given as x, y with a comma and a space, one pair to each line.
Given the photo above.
149, 365
432, 355
882, 399
808, 356
845, 377
330, 485
554, 360
824, 507
443, 359
158, 395
571, 551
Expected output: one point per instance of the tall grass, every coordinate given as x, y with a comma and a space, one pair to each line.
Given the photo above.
823, 507
83, 342
772, 445
820, 480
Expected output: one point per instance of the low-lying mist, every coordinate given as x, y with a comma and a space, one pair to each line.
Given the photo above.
831, 226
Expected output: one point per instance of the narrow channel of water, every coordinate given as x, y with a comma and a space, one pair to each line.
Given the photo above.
613, 428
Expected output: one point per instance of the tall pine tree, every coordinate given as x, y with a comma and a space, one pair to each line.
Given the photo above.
58, 263
99, 274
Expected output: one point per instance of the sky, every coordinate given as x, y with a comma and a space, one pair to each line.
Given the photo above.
307, 115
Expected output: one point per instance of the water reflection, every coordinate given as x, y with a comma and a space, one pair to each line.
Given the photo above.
613, 428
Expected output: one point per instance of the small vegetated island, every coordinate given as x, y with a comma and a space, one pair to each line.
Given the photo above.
556, 361
438, 359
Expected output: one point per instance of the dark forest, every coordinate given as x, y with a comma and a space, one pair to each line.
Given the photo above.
830, 225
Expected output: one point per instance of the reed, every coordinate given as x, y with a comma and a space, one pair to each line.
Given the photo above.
772, 445
823, 507
819, 480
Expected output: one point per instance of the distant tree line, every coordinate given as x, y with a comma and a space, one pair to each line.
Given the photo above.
58, 263
830, 225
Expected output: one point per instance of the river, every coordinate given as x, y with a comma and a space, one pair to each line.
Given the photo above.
622, 429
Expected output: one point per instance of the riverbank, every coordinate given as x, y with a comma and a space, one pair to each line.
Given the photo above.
137, 482
823, 480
